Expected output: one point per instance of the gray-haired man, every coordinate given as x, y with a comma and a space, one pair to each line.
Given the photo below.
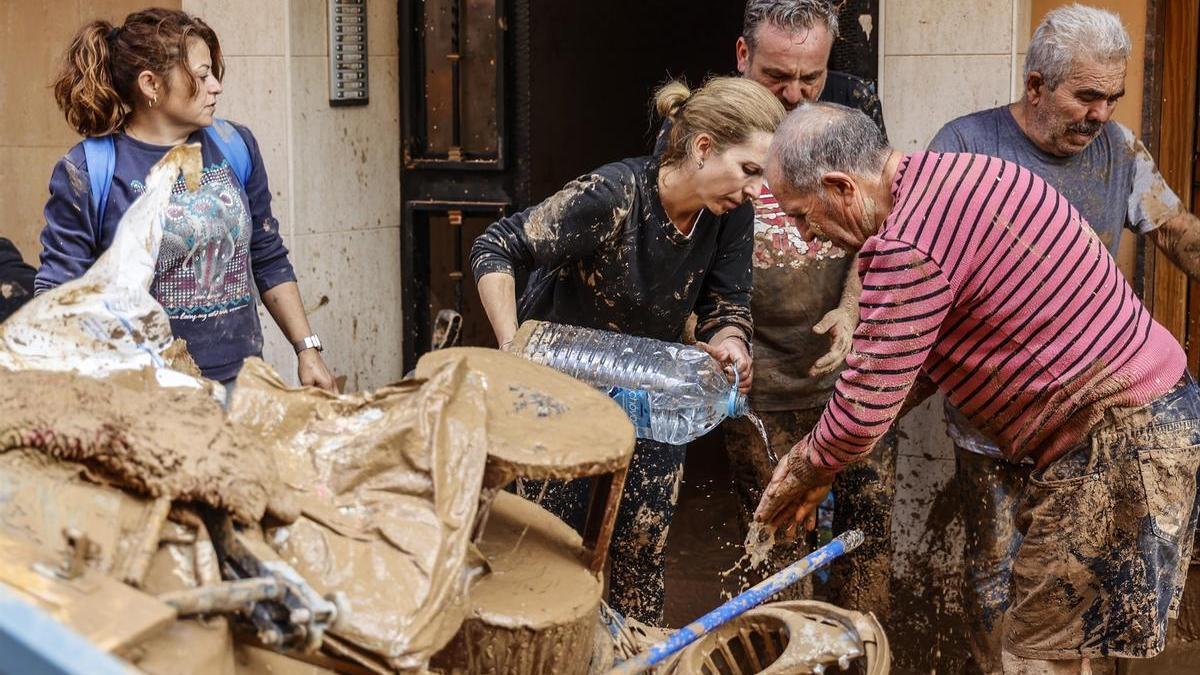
1060, 130
805, 307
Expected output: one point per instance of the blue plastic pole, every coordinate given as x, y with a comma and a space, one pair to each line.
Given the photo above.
843, 543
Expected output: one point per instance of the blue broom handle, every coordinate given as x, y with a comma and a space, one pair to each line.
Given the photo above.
843, 543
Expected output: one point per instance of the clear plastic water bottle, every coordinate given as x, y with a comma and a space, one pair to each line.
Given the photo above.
673, 393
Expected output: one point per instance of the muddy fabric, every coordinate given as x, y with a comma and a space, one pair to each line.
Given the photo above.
863, 496
602, 253
388, 486
638, 553
153, 441
1108, 533
990, 494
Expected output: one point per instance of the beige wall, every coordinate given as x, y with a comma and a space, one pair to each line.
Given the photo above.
33, 133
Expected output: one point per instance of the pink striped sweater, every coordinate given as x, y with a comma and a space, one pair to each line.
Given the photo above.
985, 280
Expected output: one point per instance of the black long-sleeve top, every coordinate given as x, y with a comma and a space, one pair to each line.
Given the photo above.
602, 253
16, 279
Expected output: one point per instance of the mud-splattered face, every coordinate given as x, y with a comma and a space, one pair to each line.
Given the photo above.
793, 65
1064, 121
178, 105
734, 176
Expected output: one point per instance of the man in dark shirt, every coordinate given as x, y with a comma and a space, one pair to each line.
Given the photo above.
16, 279
805, 308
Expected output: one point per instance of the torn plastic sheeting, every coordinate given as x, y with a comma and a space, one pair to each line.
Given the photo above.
106, 320
388, 487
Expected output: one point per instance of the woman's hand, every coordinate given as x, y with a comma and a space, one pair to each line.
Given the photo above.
796, 490
313, 372
732, 350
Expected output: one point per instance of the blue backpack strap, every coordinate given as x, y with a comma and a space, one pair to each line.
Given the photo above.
100, 155
233, 146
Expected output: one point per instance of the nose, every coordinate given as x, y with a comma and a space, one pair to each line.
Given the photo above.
1101, 110
753, 188
792, 94
215, 86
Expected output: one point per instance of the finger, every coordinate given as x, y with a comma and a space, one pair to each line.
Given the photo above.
823, 325
806, 514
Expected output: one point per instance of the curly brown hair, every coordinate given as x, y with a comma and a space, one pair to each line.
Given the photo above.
96, 87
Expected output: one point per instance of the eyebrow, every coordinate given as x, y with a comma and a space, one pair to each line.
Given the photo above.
1100, 94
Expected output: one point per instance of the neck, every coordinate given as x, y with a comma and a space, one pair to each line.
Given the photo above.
157, 130
1022, 112
676, 191
879, 194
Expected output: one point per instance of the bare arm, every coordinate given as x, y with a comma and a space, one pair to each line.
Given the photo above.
284, 304
1179, 238
498, 293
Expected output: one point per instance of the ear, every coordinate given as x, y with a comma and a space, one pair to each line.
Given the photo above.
840, 188
703, 145
743, 55
1035, 87
149, 85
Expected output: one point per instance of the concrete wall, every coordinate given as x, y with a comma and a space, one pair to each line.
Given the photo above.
33, 133
335, 173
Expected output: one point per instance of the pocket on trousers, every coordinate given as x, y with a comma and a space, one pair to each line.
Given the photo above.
1169, 480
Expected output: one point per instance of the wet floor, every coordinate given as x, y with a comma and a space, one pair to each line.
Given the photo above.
703, 541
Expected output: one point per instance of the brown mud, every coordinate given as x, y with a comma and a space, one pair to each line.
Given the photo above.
130, 432
536, 610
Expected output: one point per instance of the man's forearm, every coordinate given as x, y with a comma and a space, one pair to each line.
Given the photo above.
1179, 238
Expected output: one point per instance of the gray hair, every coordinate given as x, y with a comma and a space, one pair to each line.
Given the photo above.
1071, 33
818, 138
788, 15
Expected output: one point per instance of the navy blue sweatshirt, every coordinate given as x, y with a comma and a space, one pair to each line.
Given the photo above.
214, 240
602, 253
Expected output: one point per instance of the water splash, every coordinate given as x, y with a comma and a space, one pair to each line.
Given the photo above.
762, 431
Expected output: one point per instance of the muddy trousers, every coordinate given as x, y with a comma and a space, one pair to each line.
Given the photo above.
990, 494
638, 553
863, 498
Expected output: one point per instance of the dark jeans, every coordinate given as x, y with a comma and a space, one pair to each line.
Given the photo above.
1107, 536
637, 554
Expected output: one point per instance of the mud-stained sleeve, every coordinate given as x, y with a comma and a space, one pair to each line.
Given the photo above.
867, 98
724, 298
1151, 201
905, 299
569, 225
70, 239
268, 255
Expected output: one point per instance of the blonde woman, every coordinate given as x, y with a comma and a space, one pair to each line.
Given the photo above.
635, 247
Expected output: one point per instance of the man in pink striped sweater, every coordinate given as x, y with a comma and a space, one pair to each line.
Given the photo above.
980, 280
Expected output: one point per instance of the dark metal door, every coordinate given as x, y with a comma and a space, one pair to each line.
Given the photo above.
458, 152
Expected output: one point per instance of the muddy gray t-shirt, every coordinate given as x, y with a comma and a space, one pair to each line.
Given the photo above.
1113, 184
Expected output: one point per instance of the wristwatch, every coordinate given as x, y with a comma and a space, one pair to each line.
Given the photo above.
310, 342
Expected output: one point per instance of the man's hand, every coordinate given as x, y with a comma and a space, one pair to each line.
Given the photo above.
313, 372
732, 351
796, 490
839, 324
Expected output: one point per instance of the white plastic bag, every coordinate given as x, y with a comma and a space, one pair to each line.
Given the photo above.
107, 321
